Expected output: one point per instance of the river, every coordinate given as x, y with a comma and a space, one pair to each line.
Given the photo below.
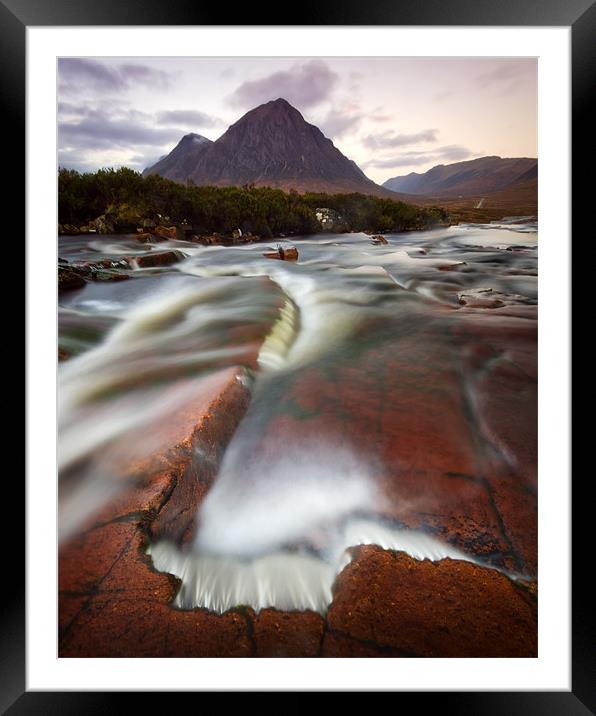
393, 400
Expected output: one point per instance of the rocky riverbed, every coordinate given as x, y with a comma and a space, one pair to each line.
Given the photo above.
332, 455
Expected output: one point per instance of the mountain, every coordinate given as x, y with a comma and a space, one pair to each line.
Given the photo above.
476, 176
271, 145
178, 164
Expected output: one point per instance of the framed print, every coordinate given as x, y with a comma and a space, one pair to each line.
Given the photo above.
291, 396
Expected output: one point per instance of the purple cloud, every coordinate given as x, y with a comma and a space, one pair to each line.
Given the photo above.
90, 73
98, 130
188, 118
76, 73
389, 140
303, 86
142, 74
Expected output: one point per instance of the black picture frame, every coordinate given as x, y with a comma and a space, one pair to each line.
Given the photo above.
580, 15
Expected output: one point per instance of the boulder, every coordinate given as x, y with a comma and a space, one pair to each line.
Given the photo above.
165, 232
378, 239
211, 239
103, 225
87, 268
109, 276
282, 253
479, 298
69, 279
157, 258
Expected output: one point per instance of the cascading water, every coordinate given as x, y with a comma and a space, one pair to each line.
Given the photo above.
303, 479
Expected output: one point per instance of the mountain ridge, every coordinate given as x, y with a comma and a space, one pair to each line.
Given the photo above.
181, 159
271, 145
460, 179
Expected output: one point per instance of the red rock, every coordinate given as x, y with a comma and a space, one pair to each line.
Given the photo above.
340, 645
87, 558
156, 258
112, 601
287, 634
462, 467
411, 409
69, 607
124, 610
176, 519
506, 413
283, 253
160, 471
434, 609
117, 625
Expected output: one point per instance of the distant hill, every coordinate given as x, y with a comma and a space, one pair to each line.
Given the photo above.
518, 199
181, 161
271, 145
470, 178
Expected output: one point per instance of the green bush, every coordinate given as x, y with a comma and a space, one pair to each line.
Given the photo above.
127, 197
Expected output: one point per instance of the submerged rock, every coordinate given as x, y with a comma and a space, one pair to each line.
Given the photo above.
479, 298
453, 266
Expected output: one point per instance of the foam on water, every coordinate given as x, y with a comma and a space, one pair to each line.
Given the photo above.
285, 580
279, 341
260, 503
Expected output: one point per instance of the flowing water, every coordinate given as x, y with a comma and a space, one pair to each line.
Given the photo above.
320, 342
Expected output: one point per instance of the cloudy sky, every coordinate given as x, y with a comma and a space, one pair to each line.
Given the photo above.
391, 115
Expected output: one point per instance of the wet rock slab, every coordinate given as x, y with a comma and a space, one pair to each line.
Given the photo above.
450, 418
111, 600
452, 414
387, 601
386, 604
